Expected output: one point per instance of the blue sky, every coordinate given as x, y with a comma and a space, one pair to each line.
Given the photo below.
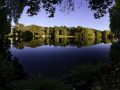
80, 17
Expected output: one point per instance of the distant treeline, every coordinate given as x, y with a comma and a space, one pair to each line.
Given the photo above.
21, 30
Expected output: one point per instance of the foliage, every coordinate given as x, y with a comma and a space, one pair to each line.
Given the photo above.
111, 80
27, 36
15, 8
89, 33
84, 76
115, 51
61, 31
98, 34
10, 69
115, 18
12, 9
4, 25
39, 84
34, 35
107, 34
100, 7
36, 30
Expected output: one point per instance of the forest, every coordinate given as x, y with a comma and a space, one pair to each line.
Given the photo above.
23, 31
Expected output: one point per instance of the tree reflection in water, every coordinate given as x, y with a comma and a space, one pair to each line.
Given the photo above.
63, 42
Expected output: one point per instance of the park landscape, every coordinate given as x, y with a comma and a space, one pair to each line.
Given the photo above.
35, 57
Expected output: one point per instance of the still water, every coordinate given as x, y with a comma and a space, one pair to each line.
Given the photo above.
82, 64
58, 58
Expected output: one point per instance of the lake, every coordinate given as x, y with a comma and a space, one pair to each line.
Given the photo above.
82, 64
60, 58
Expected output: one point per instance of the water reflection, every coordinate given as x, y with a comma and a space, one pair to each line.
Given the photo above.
63, 42
58, 55
87, 74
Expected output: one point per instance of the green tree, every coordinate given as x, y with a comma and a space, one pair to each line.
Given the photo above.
27, 36
12, 9
105, 34
89, 34
36, 30
47, 31
98, 34
20, 26
115, 18
56, 31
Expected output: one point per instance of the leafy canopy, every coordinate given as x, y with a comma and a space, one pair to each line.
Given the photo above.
14, 8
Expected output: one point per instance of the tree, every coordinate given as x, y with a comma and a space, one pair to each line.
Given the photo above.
20, 26
105, 34
98, 34
36, 30
89, 34
4, 25
100, 7
47, 33
12, 9
115, 18
56, 32
27, 36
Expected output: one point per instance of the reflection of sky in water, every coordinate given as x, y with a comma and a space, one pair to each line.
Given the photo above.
55, 60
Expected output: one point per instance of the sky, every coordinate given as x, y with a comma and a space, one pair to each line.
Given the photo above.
80, 17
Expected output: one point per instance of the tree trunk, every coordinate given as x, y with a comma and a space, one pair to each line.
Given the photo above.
5, 26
